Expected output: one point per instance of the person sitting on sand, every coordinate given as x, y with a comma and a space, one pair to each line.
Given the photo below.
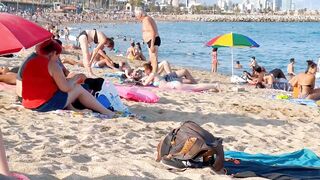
256, 77
138, 52
47, 89
305, 82
290, 68
8, 76
238, 65
131, 52
97, 37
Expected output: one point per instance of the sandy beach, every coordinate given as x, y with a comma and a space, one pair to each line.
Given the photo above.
69, 145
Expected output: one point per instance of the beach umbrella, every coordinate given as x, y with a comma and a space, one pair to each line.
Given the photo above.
17, 33
232, 40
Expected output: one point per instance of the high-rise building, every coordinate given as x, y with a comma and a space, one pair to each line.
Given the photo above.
287, 5
277, 4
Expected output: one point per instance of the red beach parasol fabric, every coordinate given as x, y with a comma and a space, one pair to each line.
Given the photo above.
17, 33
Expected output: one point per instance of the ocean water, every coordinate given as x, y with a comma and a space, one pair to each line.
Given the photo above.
183, 43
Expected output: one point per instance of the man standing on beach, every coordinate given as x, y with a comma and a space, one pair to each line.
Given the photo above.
150, 35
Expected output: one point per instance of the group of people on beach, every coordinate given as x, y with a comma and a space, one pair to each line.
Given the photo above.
302, 84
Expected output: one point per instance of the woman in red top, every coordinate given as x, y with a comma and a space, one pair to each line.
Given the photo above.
45, 87
214, 66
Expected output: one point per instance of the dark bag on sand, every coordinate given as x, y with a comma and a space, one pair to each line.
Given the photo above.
190, 146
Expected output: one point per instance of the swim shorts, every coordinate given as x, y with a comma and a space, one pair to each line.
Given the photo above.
157, 42
171, 77
58, 101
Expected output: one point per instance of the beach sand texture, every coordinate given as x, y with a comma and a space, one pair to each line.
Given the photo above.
68, 145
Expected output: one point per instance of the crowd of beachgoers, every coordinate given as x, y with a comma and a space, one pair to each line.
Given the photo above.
45, 16
55, 88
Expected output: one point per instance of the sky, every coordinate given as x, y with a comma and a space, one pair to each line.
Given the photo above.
310, 4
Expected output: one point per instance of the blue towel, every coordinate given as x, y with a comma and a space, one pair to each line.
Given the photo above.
302, 158
114, 75
307, 102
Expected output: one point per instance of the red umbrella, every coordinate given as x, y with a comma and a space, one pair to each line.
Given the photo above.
17, 33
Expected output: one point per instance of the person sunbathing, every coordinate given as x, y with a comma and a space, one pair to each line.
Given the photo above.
47, 89
99, 62
162, 83
305, 82
8, 76
183, 75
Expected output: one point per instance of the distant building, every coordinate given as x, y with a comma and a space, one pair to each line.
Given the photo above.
277, 4
287, 5
175, 3
225, 5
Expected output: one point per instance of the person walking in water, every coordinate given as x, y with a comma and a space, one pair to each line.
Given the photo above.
150, 36
100, 39
214, 62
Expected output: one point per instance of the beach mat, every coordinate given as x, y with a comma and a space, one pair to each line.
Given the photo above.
306, 102
302, 158
7, 87
245, 169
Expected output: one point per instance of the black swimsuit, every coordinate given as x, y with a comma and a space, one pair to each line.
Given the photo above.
157, 42
95, 38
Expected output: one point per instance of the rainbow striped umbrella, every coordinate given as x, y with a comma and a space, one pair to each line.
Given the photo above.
232, 40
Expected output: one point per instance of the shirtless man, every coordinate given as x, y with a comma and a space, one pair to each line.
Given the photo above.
100, 39
150, 35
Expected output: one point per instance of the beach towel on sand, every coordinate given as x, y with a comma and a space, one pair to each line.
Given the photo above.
302, 158
244, 169
109, 97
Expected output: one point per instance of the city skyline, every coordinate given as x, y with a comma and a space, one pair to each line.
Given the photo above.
299, 4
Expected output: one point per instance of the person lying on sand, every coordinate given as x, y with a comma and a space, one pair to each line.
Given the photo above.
8, 76
305, 82
162, 83
47, 89
100, 61
183, 75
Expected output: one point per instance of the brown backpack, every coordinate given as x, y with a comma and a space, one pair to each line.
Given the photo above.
191, 146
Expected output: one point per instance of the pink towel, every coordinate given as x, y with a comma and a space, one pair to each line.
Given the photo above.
7, 87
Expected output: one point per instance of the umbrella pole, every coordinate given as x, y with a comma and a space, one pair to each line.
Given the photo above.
231, 61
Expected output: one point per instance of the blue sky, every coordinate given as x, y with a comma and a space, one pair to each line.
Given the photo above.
310, 4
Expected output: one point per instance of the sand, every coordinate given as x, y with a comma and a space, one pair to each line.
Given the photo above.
68, 145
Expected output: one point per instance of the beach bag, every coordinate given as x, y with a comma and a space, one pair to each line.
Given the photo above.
109, 98
190, 146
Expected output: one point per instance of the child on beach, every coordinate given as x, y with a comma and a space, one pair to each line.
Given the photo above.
214, 61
